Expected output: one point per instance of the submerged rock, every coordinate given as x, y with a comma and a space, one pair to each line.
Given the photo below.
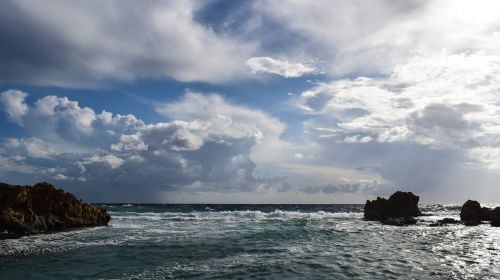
401, 205
42, 209
401, 221
444, 221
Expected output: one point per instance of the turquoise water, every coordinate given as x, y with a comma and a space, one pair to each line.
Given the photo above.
255, 242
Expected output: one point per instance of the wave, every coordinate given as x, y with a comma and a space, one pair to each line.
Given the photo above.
129, 227
234, 215
55, 242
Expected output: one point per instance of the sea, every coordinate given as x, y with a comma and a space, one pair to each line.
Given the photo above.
145, 241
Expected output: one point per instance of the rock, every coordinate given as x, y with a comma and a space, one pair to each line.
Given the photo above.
449, 221
401, 221
399, 205
486, 213
471, 223
444, 221
42, 209
376, 210
472, 211
495, 217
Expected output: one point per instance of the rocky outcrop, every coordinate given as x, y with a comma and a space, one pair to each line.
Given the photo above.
42, 209
472, 211
401, 208
495, 217
397, 210
445, 221
472, 214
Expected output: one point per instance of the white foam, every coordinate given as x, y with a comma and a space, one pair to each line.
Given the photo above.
234, 215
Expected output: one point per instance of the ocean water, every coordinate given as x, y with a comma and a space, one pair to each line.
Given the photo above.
256, 242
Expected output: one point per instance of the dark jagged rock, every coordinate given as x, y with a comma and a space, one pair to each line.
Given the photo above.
444, 221
486, 213
376, 210
472, 211
42, 209
495, 217
399, 205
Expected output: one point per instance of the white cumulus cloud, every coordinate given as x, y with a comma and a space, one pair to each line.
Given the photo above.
443, 101
278, 67
14, 105
207, 147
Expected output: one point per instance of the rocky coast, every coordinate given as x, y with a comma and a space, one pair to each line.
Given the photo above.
401, 209
42, 208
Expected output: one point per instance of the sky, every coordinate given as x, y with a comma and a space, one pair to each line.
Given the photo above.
256, 101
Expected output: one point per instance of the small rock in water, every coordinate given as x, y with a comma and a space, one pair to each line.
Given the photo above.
474, 214
444, 221
400, 205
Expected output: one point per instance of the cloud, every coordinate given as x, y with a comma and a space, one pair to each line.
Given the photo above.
443, 101
83, 45
410, 97
429, 121
298, 155
110, 161
233, 120
355, 38
346, 186
486, 156
207, 147
32, 147
14, 105
86, 44
278, 67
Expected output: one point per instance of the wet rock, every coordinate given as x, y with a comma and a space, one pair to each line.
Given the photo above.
495, 217
486, 213
449, 221
472, 211
399, 205
42, 209
471, 223
376, 210
401, 221
444, 221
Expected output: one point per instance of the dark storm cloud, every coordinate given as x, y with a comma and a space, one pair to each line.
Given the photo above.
29, 51
82, 44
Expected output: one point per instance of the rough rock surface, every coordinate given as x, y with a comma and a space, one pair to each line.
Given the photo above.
42, 209
472, 211
495, 217
399, 205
